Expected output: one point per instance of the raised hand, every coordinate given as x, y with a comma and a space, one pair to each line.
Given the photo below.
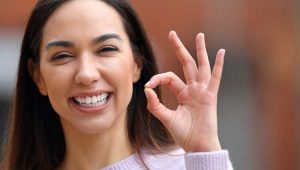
194, 123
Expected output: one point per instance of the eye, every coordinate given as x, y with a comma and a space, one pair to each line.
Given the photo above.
61, 58
107, 49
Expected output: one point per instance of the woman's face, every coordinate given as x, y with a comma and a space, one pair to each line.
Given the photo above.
87, 67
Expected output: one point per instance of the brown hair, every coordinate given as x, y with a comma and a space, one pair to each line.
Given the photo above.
35, 140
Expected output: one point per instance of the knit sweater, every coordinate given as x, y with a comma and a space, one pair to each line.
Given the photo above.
176, 160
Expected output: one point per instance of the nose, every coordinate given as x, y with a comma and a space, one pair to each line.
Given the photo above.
87, 72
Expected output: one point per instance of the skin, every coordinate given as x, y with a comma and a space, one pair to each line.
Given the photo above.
96, 139
194, 123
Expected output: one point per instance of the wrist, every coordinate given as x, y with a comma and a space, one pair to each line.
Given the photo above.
207, 146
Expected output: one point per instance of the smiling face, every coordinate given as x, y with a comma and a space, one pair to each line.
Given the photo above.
87, 67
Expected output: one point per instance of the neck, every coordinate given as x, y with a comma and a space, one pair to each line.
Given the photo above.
95, 151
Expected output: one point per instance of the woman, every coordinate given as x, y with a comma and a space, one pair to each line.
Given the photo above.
80, 99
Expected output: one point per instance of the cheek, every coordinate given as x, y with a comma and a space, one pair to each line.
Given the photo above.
57, 83
121, 79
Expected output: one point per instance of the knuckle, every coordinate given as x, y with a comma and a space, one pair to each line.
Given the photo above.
170, 73
188, 61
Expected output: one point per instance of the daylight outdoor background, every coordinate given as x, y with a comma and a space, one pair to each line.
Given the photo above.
260, 91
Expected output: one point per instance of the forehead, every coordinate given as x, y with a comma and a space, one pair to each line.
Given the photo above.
90, 18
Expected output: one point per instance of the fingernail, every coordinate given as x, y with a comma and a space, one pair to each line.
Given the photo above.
146, 93
201, 34
222, 50
173, 32
147, 84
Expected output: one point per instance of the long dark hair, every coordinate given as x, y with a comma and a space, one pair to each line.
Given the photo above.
35, 136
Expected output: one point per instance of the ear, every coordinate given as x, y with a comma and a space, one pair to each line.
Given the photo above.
137, 69
35, 74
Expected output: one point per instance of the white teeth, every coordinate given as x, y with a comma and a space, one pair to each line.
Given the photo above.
92, 101
88, 100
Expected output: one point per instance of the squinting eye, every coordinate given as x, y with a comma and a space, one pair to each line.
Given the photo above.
62, 58
107, 49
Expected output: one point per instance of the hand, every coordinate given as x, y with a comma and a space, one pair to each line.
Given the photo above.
194, 123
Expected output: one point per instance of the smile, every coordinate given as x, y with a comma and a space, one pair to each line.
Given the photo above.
92, 101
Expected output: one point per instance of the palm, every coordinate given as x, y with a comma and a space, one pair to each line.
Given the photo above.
195, 118
194, 123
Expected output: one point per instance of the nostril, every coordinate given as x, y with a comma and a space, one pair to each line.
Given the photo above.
87, 78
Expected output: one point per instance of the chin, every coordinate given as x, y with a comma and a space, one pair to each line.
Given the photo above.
98, 126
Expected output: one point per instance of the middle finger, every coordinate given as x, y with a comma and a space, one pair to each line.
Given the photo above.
188, 63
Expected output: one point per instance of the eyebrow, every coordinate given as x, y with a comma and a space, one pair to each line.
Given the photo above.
96, 40
105, 37
59, 44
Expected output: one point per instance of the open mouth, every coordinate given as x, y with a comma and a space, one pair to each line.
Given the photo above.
92, 101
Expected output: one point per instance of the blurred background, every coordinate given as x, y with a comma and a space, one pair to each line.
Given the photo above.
259, 98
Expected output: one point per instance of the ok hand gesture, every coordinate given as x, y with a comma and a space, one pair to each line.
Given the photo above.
194, 123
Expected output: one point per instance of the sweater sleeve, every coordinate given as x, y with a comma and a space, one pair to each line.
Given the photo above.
218, 160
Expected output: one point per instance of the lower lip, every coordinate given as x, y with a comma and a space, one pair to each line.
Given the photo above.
89, 110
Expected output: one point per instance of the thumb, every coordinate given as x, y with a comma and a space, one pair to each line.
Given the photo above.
156, 108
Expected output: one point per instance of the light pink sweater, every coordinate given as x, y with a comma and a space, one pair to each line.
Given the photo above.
176, 160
